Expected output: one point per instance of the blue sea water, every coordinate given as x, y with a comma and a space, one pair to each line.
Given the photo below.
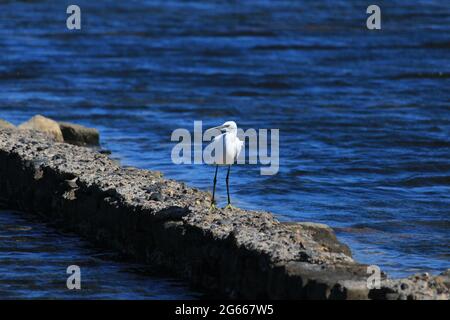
364, 116
34, 258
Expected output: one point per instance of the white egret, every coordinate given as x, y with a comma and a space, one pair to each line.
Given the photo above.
227, 147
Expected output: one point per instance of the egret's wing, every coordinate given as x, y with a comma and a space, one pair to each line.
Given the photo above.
218, 145
219, 137
239, 145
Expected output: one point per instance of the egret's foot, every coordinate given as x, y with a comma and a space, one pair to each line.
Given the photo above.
229, 206
212, 207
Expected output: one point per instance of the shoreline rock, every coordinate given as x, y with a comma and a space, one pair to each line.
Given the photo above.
60, 131
6, 125
232, 253
79, 135
43, 124
322, 234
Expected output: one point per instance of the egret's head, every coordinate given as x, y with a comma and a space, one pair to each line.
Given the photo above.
229, 126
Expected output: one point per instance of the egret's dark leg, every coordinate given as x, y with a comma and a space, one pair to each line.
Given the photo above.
228, 186
214, 187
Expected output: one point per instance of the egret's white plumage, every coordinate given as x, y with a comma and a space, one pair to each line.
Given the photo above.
227, 147
227, 144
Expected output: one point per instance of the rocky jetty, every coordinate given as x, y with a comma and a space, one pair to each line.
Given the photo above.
231, 253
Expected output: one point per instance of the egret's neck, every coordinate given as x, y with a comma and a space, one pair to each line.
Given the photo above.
232, 132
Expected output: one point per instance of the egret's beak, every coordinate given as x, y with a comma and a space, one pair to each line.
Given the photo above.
220, 128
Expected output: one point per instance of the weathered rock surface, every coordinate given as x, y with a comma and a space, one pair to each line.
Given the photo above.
416, 287
43, 124
79, 135
6, 125
320, 233
233, 253
60, 131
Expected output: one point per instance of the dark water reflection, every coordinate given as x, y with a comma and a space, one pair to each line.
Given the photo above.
34, 258
364, 116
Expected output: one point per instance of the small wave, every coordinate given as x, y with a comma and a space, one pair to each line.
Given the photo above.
294, 47
273, 85
426, 181
364, 230
246, 94
436, 45
421, 75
